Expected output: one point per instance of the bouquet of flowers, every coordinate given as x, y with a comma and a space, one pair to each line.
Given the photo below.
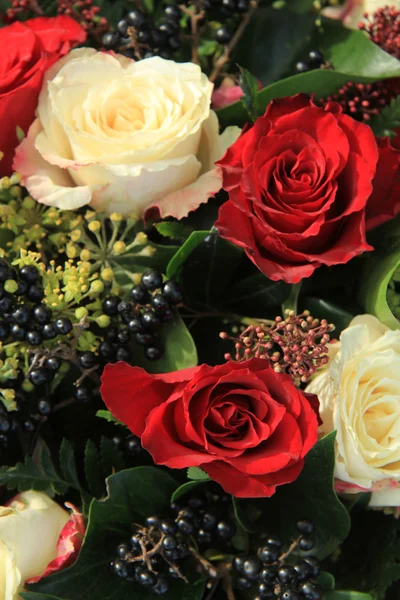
199, 300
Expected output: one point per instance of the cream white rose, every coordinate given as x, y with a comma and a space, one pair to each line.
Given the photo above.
351, 12
30, 527
123, 136
359, 394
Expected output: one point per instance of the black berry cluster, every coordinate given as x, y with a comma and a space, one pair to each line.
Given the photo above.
315, 60
273, 578
139, 319
138, 37
228, 10
156, 552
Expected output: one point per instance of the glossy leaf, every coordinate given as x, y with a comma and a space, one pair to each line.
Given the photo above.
133, 495
179, 349
177, 261
252, 296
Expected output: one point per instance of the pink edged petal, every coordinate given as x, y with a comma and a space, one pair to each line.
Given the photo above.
161, 438
48, 184
68, 546
180, 203
131, 394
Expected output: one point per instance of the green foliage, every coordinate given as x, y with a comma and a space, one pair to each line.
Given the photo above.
310, 496
254, 295
322, 309
205, 265
42, 474
387, 119
378, 271
187, 488
105, 414
180, 351
173, 229
370, 557
249, 86
133, 495
197, 474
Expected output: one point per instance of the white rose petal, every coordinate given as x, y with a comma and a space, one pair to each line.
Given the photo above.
124, 136
359, 393
10, 576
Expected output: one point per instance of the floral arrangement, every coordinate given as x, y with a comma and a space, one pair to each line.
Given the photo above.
199, 300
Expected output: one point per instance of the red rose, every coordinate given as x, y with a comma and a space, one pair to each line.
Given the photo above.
27, 51
244, 424
298, 183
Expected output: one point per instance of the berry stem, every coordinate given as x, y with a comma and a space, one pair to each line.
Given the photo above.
224, 58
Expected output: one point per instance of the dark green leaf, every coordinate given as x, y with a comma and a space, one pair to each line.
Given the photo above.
311, 496
176, 263
93, 471
208, 271
249, 85
387, 119
197, 474
240, 540
179, 349
131, 262
133, 495
326, 581
173, 229
186, 488
346, 595
272, 41
321, 309
105, 414
67, 463
248, 516
112, 459
253, 295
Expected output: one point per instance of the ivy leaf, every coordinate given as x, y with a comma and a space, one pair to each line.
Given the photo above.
387, 119
173, 230
105, 414
249, 85
311, 496
133, 495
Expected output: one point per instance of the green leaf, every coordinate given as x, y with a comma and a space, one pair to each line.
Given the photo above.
249, 85
172, 229
133, 495
272, 41
291, 302
378, 271
176, 263
351, 52
112, 459
321, 309
311, 496
208, 271
179, 349
28, 475
186, 488
197, 474
67, 463
346, 595
326, 581
131, 262
387, 119
105, 414
93, 472
240, 540
253, 295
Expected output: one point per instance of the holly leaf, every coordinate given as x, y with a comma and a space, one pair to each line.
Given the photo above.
387, 119
133, 495
249, 85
